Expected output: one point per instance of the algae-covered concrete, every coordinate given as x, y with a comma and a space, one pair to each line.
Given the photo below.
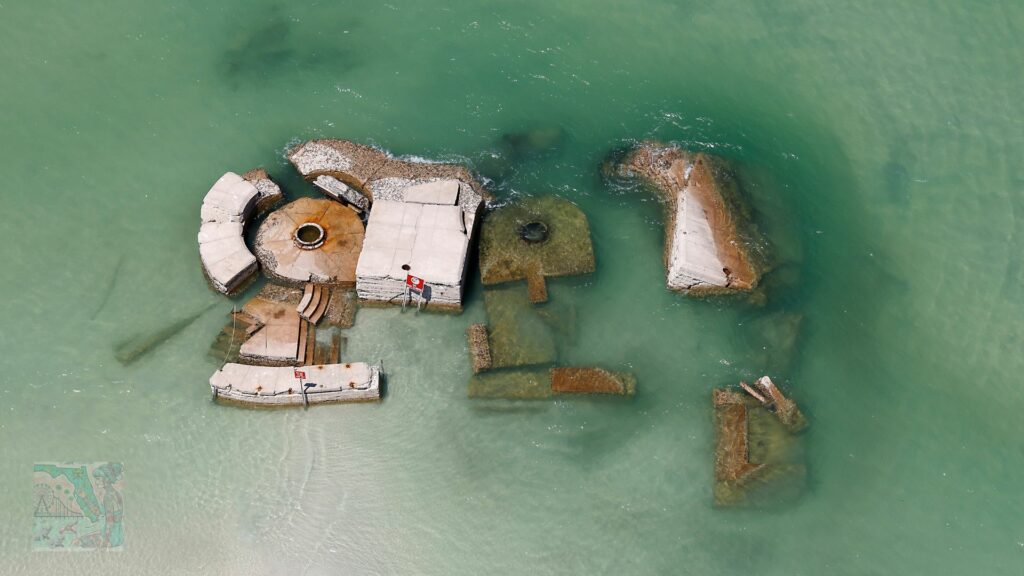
517, 384
590, 380
518, 335
758, 459
564, 249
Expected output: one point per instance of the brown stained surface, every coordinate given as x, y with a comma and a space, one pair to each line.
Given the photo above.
732, 464
536, 286
591, 381
728, 243
332, 263
758, 459
664, 167
278, 331
395, 168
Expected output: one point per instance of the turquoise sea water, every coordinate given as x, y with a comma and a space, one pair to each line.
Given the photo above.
880, 143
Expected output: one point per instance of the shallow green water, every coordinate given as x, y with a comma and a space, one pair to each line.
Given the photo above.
880, 144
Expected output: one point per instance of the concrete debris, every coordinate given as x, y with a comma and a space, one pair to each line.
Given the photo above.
765, 391
269, 193
427, 241
517, 334
279, 339
342, 192
522, 384
758, 460
422, 218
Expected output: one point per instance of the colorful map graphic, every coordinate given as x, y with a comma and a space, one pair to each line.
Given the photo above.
78, 506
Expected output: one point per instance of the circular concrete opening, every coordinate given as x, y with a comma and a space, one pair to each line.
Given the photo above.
534, 232
310, 236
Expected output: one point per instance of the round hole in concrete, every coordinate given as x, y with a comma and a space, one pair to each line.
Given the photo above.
309, 236
534, 232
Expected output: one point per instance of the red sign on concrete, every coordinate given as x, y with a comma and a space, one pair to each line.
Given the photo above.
300, 375
414, 282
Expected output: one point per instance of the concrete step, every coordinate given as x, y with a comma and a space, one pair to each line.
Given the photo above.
321, 308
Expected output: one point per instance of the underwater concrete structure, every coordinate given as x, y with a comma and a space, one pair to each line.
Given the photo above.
280, 386
757, 447
710, 247
590, 380
534, 238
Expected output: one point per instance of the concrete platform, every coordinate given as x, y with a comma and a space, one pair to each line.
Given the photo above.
277, 386
332, 261
428, 241
562, 246
277, 333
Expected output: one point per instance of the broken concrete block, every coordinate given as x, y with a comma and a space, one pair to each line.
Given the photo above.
711, 246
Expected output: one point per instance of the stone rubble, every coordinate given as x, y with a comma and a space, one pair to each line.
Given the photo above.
269, 192
754, 451
341, 192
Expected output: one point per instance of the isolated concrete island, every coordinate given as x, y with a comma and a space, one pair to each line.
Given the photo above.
389, 231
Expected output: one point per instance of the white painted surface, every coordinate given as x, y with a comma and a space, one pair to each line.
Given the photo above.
222, 250
352, 382
693, 258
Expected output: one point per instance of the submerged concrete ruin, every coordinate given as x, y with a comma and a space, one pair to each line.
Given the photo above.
535, 238
711, 247
758, 458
